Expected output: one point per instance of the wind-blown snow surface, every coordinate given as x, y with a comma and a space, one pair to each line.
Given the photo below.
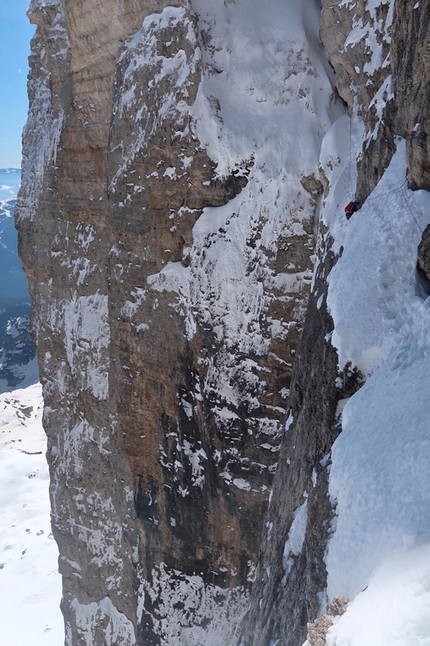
379, 477
270, 77
30, 586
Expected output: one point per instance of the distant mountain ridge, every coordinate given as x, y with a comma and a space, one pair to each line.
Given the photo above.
10, 179
17, 352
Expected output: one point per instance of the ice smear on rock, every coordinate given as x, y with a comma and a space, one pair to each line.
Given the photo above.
293, 545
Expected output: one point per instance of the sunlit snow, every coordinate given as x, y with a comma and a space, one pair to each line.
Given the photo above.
379, 475
273, 111
30, 586
394, 610
379, 478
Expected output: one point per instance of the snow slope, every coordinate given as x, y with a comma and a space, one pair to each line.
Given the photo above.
30, 586
382, 320
379, 478
271, 78
395, 608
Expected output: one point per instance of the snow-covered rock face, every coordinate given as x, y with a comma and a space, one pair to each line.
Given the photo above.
370, 364
357, 37
379, 51
176, 156
172, 183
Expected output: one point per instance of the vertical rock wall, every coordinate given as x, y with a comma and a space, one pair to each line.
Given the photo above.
291, 573
410, 56
169, 260
378, 51
64, 244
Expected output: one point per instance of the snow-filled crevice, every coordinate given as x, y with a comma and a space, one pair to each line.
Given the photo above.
296, 536
378, 476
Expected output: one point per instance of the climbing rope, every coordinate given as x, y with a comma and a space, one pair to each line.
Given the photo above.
393, 190
397, 190
409, 208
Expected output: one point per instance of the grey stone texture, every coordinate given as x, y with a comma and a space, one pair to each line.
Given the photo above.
128, 421
138, 458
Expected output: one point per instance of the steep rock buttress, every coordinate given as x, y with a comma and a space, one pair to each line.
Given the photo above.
177, 159
167, 228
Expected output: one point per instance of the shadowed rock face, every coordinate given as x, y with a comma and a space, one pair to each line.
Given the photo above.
390, 94
285, 594
423, 257
163, 427
410, 55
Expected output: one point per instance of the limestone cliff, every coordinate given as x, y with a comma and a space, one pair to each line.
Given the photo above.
379, 51
167, 323
177, 159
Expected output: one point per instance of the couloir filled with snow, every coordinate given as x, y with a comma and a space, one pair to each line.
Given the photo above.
378, 554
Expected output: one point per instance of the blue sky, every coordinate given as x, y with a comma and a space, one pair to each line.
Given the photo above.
15, 35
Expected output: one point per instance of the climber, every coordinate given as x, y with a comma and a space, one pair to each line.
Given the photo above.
351, 208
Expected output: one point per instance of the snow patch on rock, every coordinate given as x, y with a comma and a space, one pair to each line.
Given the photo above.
101, 617
296, 536
186, 612
87, 338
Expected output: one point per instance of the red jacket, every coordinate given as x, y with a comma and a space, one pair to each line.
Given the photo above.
351, 207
